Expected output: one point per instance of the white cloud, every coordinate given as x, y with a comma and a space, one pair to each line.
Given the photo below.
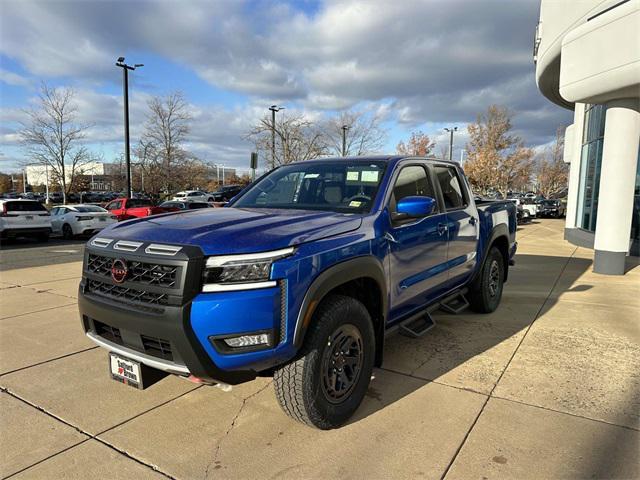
423, 62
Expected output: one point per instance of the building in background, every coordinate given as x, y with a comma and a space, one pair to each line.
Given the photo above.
587, 55
98, 176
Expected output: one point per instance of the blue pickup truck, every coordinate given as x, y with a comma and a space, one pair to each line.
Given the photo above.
300, 278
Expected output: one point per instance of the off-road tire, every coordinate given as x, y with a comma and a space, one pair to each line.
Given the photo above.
299, 385
485, 295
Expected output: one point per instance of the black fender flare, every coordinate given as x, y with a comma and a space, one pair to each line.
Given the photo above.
334, 276
498, 231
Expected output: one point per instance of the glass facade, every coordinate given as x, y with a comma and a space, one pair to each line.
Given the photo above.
590, 162
635, 219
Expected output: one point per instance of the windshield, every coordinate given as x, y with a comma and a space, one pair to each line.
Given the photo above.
88, 208
343, 186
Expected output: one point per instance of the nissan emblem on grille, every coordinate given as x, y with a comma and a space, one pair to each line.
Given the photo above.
119, 270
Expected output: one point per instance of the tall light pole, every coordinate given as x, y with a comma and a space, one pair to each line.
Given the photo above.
125, 89
344, 140
451, 130
274, 109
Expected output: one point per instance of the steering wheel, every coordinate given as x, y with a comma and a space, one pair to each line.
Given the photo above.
360, 197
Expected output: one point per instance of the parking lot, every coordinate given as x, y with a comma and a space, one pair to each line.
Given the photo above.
546, 387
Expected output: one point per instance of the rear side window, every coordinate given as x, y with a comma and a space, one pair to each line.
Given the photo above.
138, 202
454, 196
25, 206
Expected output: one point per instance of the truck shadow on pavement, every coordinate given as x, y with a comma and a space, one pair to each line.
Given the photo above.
470, 351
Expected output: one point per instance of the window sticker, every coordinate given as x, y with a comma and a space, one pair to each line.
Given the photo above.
369, 175
312, 175
352, 176
355, 203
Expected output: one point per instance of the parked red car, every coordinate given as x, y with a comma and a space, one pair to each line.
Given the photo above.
128, 208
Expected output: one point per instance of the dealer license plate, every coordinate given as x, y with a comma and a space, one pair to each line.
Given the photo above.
102, 219
125, 370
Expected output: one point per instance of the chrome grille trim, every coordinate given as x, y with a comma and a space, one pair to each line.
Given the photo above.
101, 242
158, 249
127, 246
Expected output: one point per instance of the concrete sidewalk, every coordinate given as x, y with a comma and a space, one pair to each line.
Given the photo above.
546, 387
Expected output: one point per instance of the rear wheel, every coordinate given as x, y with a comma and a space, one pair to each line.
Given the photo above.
67, 231
327, 383
485, 296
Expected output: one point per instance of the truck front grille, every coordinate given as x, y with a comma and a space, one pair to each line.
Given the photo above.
157, 347
123, 293
154, 346
151, 274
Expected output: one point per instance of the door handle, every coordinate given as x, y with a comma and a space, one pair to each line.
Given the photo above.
442, 228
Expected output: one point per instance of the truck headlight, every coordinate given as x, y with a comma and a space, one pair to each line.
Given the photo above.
241, 272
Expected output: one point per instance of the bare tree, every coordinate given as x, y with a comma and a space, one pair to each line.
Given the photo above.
496, 159
552, 175
297, 139
364, 134
419, 144
165, 133
53, 137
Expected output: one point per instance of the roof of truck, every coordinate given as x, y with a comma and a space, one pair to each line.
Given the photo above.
374, 158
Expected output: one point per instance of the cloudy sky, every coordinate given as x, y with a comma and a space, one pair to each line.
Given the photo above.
423, 65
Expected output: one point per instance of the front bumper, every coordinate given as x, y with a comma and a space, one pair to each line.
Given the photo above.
169, 335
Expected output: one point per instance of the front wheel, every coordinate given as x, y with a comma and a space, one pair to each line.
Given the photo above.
325, 385
485, 295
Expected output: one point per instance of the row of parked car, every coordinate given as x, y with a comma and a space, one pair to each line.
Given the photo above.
224, 194
529, 208
23, 217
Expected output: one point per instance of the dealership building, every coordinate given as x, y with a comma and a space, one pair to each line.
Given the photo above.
587, 55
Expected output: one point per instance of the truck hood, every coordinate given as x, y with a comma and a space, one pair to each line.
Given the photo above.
236, 230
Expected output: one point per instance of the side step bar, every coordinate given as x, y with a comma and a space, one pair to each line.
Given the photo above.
417, 326
420, 323
454, 304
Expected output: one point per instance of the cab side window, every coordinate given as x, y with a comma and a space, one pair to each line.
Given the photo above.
452, 191
412, 181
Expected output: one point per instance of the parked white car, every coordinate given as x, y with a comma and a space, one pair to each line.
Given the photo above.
71, 220
529, 205
24, 218
193, 196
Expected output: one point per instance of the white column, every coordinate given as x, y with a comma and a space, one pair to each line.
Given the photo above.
617, 182
573, 156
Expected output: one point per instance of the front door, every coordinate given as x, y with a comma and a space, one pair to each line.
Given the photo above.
417, 246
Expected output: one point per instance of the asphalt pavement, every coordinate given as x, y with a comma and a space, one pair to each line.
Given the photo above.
23, 253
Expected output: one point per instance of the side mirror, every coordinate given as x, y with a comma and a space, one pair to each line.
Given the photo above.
415, 206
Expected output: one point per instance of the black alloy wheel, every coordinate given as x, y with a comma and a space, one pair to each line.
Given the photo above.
341, 363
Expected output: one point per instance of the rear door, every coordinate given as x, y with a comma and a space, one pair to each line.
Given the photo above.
462, 222
417, 246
